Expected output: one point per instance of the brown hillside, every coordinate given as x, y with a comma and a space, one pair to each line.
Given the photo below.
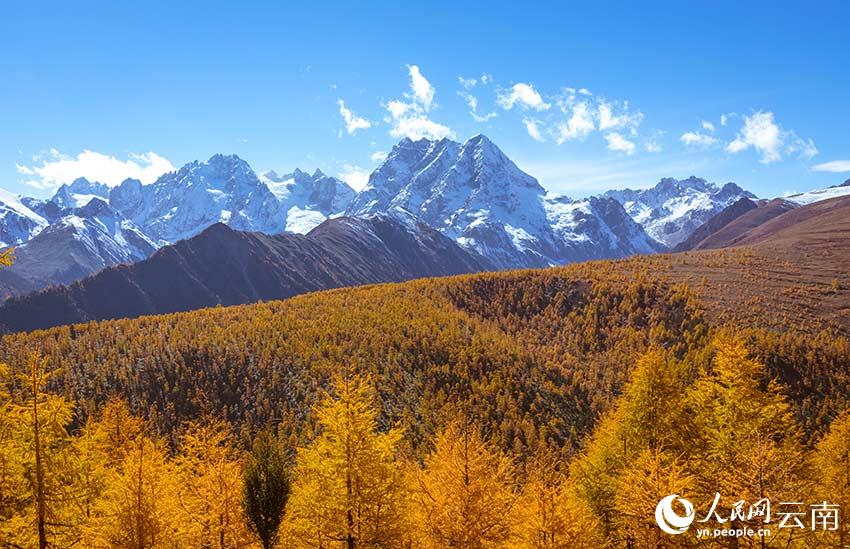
792, 271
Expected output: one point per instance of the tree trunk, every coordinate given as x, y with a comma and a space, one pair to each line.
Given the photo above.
39, 467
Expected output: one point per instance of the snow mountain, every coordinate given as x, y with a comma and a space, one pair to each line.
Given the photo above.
473, 193
801, 199
673, 209
181, 204
82, 241
307, 200
79, 193
18, 221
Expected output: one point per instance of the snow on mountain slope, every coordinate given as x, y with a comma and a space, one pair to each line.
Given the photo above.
79, 243
79, 193
822, 194
18, 222
307, 200
476, 195
181, 204
673, 209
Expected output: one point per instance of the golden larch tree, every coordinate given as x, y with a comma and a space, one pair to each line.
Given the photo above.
349, 488
466, 492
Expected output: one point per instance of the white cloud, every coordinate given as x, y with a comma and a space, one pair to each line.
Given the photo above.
618, 143
423, 91
352, 121
708, 126
726, 117
533, 129
585, 91
94, 166
472, 102
410, 118
763, 133
609, 121
523, 95
806, 149
652, 147
484, 117
467, 83
579, 125
835, 166
355, 176
378, 156
697, 139
486, 79
470, 99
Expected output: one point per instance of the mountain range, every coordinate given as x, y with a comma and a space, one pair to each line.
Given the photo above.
222, 266
470, 192
673, 209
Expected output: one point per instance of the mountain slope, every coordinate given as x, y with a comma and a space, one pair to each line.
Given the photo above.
475, 194
673, 209
733, 232
225, 267
790, 271
716, 223
18, 221
181, 204
307, 200
811, 197
81, 242
79, 193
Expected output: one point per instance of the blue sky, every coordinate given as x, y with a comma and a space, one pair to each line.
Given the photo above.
583, 97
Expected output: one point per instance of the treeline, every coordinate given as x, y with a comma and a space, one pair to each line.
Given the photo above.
114, 482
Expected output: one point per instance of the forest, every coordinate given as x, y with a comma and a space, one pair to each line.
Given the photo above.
542, 409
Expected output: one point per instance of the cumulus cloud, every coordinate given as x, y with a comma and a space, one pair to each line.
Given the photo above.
579, 125
726, 117
422, 90
352, 121
834, 166
762, 133
697, 139
587, 113
522, 95
708, 126
57, 168
355, 176
410, 118
533, 129
618, 143
626, 119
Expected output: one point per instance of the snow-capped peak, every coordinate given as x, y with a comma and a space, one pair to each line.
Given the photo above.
809, 197
307, 200
672, 209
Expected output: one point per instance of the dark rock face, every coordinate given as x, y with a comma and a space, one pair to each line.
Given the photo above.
222, 266
710, 227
